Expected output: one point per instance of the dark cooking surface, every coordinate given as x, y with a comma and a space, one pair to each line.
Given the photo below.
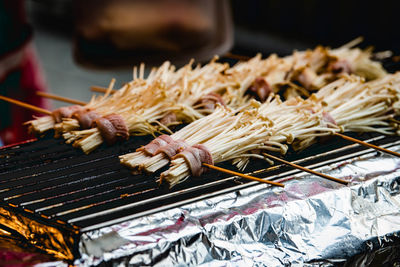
59, 183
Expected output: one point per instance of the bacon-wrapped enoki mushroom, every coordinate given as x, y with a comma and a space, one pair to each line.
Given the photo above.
75, 117
194, 92
42, 124
358, 106
124, 98
158, 153
251, 133
167, 92
84, 117
310, 70
348, 104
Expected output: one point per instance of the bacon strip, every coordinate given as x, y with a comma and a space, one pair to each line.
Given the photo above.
340, 66
65, 112
118, 122
107, 130
154, 145
210, 100
260, 89
195, 156
173, 148
326, 117
86, 118
112, 128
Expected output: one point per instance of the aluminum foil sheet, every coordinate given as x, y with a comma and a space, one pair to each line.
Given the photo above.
310, 222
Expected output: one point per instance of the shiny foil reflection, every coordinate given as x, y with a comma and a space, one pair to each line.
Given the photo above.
311, 221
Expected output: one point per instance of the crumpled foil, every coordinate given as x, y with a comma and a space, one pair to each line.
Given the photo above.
310, 222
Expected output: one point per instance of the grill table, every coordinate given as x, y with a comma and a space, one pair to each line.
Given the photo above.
52, 194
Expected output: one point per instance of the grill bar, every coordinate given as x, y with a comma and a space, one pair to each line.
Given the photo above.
89, 190
92, 217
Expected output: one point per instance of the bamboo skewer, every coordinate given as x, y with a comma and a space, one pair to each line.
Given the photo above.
236, 57
243, 175
61, 98
25, 105
100, 89
306, 169
367, 144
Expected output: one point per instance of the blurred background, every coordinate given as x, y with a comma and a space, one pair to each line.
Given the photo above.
74, 44
83, 43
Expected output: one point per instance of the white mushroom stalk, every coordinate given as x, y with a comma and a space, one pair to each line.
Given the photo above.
350, 104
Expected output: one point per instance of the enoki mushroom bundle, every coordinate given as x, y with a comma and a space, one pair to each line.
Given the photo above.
348, 104
167, 97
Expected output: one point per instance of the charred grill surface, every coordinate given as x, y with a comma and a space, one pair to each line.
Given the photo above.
56, 182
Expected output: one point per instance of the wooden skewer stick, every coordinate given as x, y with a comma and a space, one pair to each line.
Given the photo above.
306, 169
367, 144
25, 105
61, 98
99, 89
243, 175
236, 57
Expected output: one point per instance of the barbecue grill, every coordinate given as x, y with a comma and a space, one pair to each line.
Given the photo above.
70, 205
52, 194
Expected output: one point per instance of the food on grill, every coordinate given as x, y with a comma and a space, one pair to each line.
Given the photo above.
112, 128
156, 154
260, 89
156, 144
169, 96
65, 112
348, 104
195, 156
352, 89
170, 92
173, 148
86, 118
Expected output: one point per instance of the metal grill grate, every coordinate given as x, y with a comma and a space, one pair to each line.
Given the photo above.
58, 185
